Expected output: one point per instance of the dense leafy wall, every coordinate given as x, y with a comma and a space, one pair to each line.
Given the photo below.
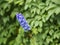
43, 17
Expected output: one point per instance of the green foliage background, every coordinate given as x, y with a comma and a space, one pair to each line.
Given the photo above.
43, 17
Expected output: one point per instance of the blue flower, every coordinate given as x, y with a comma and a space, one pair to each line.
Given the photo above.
22, 21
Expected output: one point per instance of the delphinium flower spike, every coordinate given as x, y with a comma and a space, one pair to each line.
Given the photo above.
22, 21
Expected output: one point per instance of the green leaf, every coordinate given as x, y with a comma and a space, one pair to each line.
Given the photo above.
56, 1
38, 11
19, 2
33, 10
48, 39
50, 13
56, 35
26, 7
57, 17
28, 1
38, 17
5, 19
9, 1
14, 12
1, 12
13, 15
51, 32
40, 30
36, 23
44, 18
57, 10
47, 2
34, 30
33, 41
51, 7
32, 23
40, 23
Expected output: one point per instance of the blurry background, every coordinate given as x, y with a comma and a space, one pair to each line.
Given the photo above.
43, 16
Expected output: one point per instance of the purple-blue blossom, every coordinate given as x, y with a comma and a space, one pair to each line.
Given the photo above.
22, 21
